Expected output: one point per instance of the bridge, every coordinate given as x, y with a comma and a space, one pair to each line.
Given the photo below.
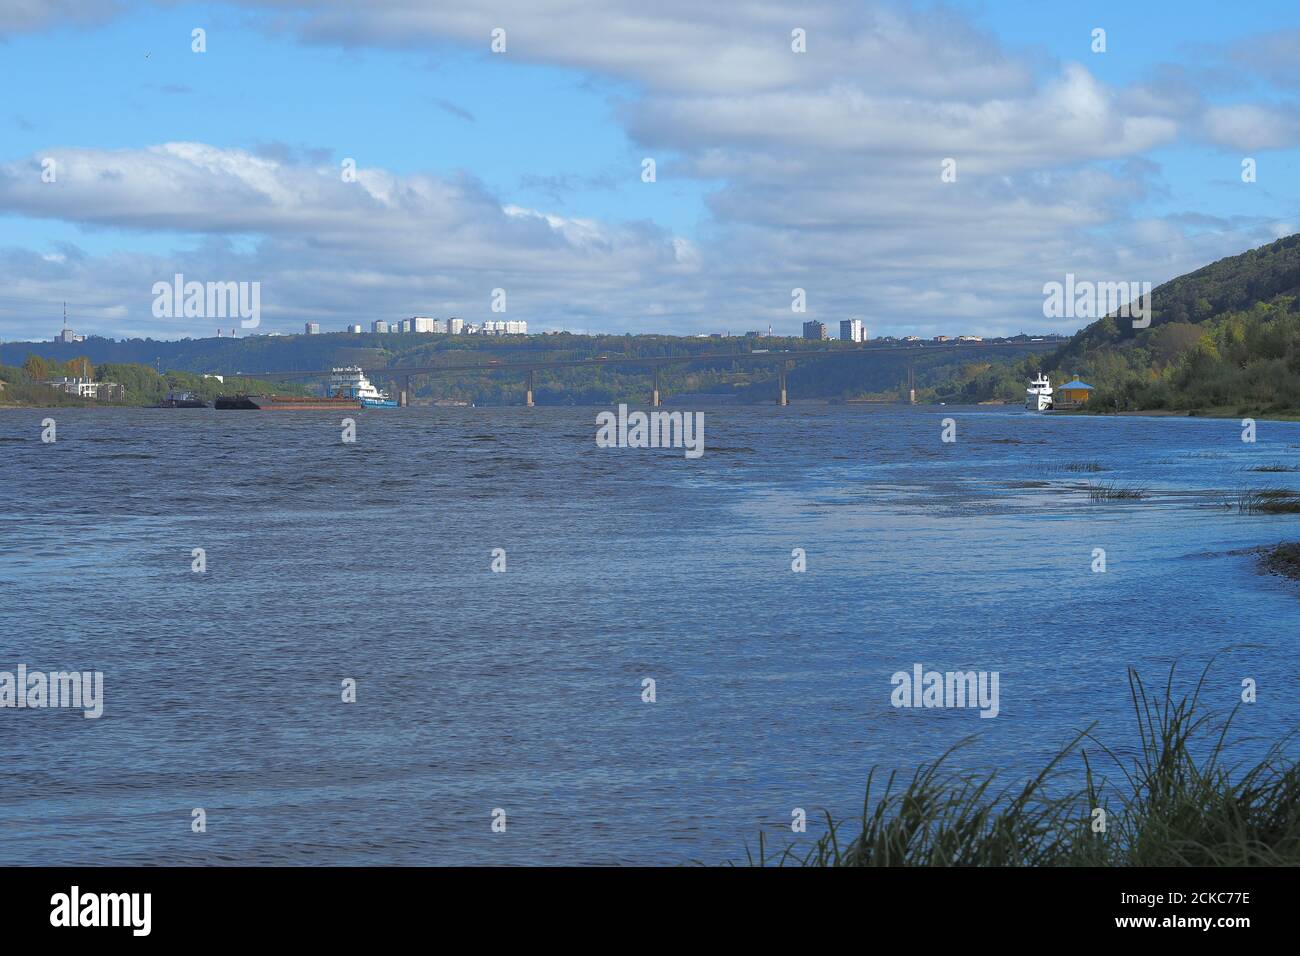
783, 359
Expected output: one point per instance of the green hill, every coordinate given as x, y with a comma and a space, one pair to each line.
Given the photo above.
1225, 338
1234, 284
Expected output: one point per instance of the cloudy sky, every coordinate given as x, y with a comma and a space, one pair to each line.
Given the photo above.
523, 170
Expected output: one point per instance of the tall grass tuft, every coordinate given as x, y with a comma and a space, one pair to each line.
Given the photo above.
1177, 804
1268, 501
1112, 491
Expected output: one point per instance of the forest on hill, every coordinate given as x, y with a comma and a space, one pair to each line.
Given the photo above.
143, 384
1224, 339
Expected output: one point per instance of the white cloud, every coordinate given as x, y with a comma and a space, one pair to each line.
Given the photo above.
1251, 126
827, 165
25, 16
376, 247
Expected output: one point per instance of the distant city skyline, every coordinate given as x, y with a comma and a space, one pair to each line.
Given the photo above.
851, 330
926, 170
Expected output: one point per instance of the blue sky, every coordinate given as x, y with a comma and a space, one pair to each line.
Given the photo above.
440, 109
522, 170
1139, 37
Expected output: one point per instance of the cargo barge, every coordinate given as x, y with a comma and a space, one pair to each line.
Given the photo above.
292, 403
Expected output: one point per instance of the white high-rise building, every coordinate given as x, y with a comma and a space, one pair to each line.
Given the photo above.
439, 326
455, 326
379, 325
312, 328
354, 329
851, 330
421, 323
502, 327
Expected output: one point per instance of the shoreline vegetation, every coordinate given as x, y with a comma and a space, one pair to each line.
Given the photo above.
1175, 802
143, 386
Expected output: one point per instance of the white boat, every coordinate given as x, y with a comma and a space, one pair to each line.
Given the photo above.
1038, 396
352, 382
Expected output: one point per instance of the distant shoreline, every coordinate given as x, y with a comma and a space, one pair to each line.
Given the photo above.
1207, 413
1217, 413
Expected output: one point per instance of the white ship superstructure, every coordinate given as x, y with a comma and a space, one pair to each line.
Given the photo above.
1038, 396
352, 382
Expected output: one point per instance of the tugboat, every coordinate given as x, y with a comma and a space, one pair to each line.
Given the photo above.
352, 382
1038, 396
177, 399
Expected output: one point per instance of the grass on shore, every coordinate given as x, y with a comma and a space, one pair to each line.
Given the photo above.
15, 395
1172, 808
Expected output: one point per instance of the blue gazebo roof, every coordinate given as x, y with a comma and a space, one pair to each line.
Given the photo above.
1076, 384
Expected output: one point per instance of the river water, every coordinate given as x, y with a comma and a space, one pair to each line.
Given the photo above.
522, 691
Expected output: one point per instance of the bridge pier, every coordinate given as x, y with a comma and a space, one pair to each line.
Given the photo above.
654, 389
528, 394
782, 398
404, 391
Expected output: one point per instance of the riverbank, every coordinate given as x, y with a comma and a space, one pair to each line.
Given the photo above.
71, 403
1221, 412
1282, 559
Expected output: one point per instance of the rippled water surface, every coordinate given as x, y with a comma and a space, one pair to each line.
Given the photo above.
522, 690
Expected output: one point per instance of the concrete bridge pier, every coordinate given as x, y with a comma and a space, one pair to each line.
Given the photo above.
528, 394
654, 389
782, 398
404, 391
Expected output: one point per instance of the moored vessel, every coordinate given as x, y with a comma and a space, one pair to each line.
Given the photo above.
1038, 396
177, 399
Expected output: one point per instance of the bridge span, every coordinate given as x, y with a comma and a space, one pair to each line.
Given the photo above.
783, 359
